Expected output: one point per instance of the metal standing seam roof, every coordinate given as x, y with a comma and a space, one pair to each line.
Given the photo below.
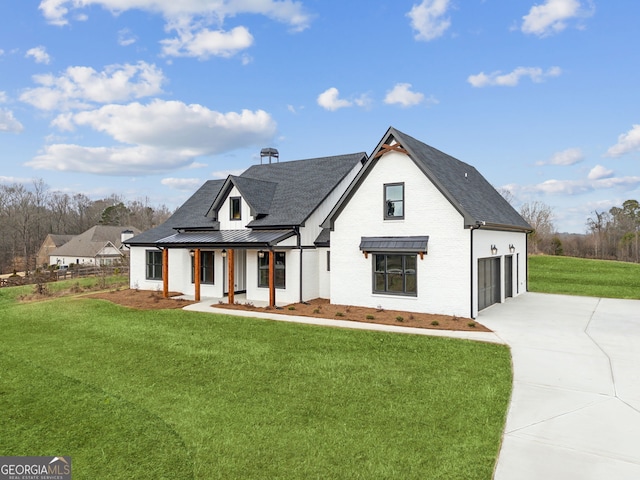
394, 244
226, 238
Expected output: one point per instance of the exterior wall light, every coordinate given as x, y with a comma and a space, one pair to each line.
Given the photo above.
224, 253
192, 253
512, 248
494, 250
260, 254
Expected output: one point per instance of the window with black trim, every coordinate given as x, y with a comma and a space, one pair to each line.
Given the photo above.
393, 201
395, 274
279, 270
206, 267
154, 264
234, 208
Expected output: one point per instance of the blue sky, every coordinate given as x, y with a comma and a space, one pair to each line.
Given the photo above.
150, 98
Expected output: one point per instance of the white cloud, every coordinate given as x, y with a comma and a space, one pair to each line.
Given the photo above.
428, 20
157, 137
3, 97
329, 100
599, 172
189, 184
567, 157
536, 74
205, 43
39, 54
8, 122
627, 143
551, 17
401, 94
80, 87
191, 19
577, 187
126, 37
138, 160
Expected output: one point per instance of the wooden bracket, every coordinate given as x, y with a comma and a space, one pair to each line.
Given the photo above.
396, 147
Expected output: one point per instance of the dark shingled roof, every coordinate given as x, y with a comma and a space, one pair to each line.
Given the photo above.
190, 214
467, 190
462, 184
300, 186
281, 195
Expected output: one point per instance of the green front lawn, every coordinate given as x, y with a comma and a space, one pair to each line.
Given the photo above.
172, 394
581, 276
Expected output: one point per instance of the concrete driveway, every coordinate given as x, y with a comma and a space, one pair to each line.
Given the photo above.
575, 410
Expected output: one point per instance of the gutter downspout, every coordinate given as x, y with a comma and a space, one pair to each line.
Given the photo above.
299, 245
472, 228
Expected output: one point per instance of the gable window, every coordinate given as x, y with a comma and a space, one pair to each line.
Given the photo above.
393, 201
279, 271
206, 268
154, 264
395, 274
234, 207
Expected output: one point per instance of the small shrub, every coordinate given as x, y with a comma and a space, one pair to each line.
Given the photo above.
291, 307
400, 318
435, 323
316, 310
339, 314
370, 317
471, 324
455, 319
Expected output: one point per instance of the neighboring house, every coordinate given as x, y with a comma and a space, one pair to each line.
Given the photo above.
408, 228
100, 245
51, 242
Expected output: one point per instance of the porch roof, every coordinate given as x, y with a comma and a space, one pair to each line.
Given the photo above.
414, 244
226, 238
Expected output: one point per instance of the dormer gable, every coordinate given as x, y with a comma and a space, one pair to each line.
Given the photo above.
258, 194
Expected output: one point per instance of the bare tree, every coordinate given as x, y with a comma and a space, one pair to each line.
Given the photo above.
540, 216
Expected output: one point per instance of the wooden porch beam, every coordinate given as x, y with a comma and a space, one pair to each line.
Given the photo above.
165, 273
196, 273
272, 279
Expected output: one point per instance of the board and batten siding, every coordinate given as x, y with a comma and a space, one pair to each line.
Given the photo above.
443, 276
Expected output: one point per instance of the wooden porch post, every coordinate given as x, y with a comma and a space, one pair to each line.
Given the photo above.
196, 273
165, 273
272, 279
230, 269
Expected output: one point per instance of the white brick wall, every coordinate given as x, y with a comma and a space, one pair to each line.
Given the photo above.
443, 275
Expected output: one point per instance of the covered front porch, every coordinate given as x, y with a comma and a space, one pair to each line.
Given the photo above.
241, 252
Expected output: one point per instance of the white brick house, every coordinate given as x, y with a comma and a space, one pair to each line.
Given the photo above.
408, 228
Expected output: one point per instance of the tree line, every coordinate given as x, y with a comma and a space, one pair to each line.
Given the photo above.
610, 235
28, 213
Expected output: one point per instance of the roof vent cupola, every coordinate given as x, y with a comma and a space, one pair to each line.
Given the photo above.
271, 153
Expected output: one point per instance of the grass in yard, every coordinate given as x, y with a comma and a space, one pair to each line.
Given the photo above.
580, 276
175, 394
